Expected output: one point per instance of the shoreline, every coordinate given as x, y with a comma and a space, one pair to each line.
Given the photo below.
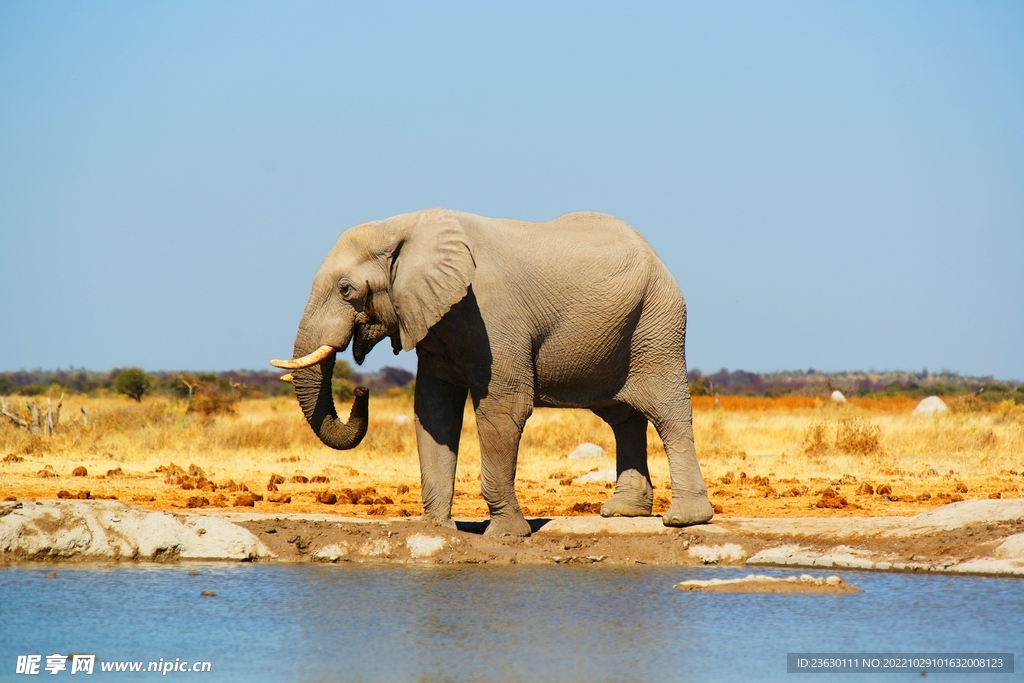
982, 537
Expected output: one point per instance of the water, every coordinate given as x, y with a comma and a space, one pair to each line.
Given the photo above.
391, 623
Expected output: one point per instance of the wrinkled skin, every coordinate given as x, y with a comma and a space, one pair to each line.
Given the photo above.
575, 313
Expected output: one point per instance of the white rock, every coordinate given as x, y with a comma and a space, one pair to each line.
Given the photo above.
375, 548
331, 553
586, 451
713, 554
837, 397
402, 419
421, 545
108, 529
930, 406
599, 475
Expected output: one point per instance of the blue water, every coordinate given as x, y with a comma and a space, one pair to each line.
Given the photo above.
273, 622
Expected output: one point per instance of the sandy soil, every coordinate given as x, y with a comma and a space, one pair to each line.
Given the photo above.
742, 496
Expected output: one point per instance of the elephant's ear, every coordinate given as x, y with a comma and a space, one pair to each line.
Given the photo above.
431, 272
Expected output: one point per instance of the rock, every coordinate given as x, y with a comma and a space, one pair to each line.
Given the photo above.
46, 473
279, 498
932, 405
208, 594
375, 548
755, 583
327, 498
865, 489
837, 397
831, 500
421, 545
115, 473
713, 554
584, 509
79, 472
98, 530
586, 451
197, 502
598, 475
403, 488
299, 479
64, 494
884, 490
244, 500
320, 479
331, 553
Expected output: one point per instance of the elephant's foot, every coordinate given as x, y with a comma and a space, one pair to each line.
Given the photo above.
688, 509
633, 497
445, 521
508, 525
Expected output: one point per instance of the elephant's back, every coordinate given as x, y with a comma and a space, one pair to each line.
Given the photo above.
592, 246
571, 291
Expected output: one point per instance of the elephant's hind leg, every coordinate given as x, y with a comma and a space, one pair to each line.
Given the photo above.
669, 409
439, 408
634, 495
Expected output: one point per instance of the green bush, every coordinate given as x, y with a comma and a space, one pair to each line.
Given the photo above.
341, 381
132, 382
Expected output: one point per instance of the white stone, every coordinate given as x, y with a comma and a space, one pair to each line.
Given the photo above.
598, 475
331, 553
375, 548
713, 554
421, 545
586, 451
112, 530
837, 397
789, 553
930, 406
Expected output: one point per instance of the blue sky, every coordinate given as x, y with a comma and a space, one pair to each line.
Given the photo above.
834, 185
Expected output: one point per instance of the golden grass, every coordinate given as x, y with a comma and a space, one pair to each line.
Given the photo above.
759, 456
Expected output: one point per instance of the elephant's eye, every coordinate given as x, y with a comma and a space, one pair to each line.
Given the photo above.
346, 289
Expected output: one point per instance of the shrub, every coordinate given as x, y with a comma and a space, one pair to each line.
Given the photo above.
132, 382
852, 436
341, 381
209, 394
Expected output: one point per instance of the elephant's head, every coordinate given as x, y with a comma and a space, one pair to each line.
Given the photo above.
394, 278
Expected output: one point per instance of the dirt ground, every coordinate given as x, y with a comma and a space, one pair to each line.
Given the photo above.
358, 495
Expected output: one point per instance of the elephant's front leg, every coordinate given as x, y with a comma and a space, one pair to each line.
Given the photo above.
500, 423
439, 407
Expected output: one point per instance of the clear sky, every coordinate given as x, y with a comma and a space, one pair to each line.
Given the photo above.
834, 185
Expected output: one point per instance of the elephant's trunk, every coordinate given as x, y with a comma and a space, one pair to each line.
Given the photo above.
313, 389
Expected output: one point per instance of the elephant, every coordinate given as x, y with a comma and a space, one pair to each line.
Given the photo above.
578, 312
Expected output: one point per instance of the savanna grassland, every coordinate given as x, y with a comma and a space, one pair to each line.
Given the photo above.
785, 456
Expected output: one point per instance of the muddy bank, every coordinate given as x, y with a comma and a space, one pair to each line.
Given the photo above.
983, 536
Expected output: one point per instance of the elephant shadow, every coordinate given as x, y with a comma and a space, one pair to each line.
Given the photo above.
478, 528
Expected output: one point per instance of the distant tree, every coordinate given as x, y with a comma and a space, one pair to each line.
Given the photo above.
132, 382
395, 377
341, 380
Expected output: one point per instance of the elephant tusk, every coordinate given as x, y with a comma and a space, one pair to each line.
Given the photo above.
306, 361
287, 378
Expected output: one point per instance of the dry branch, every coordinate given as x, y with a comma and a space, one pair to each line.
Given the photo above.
10, 416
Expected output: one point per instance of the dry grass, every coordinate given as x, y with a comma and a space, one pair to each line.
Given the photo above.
759, 456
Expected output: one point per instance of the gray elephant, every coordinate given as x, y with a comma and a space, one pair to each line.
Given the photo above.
578, 312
